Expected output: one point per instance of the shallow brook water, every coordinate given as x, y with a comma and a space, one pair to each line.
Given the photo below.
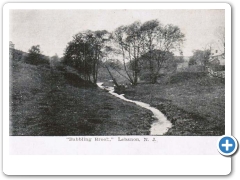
158, 127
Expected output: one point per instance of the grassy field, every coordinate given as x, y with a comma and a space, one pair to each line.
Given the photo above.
193, 102
55, 102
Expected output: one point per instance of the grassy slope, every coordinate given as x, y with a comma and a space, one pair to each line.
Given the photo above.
194, 102
46, 102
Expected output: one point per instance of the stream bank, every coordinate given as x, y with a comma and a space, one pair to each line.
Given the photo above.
159, 127
57, 102
193, 109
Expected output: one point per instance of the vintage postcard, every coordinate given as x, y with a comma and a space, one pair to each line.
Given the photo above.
118, 79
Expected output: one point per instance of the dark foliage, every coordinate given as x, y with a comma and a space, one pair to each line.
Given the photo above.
17, 55
85, 52
186, 76
152, 63
35, 57
200, 57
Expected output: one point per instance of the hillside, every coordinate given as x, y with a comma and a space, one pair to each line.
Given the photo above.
55, 101
193, 102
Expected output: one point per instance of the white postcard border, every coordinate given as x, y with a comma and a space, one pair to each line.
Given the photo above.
101, 165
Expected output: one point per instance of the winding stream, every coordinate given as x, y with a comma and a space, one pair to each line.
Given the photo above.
159, 127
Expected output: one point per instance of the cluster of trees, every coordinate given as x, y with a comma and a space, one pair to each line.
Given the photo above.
35, 57
200, 57
146, 46
152, 63
85, 52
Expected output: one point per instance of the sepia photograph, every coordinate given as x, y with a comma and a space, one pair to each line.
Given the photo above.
117, 72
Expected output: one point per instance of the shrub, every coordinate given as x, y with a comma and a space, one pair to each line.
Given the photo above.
35, 57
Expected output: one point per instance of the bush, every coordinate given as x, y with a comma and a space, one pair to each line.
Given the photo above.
34, 60
17, 55
218, 67
186, 76
35, 57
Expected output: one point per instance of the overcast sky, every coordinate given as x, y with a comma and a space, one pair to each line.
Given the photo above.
53, 29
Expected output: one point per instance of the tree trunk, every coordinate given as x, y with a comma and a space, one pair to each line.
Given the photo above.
154, 79
114, 80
